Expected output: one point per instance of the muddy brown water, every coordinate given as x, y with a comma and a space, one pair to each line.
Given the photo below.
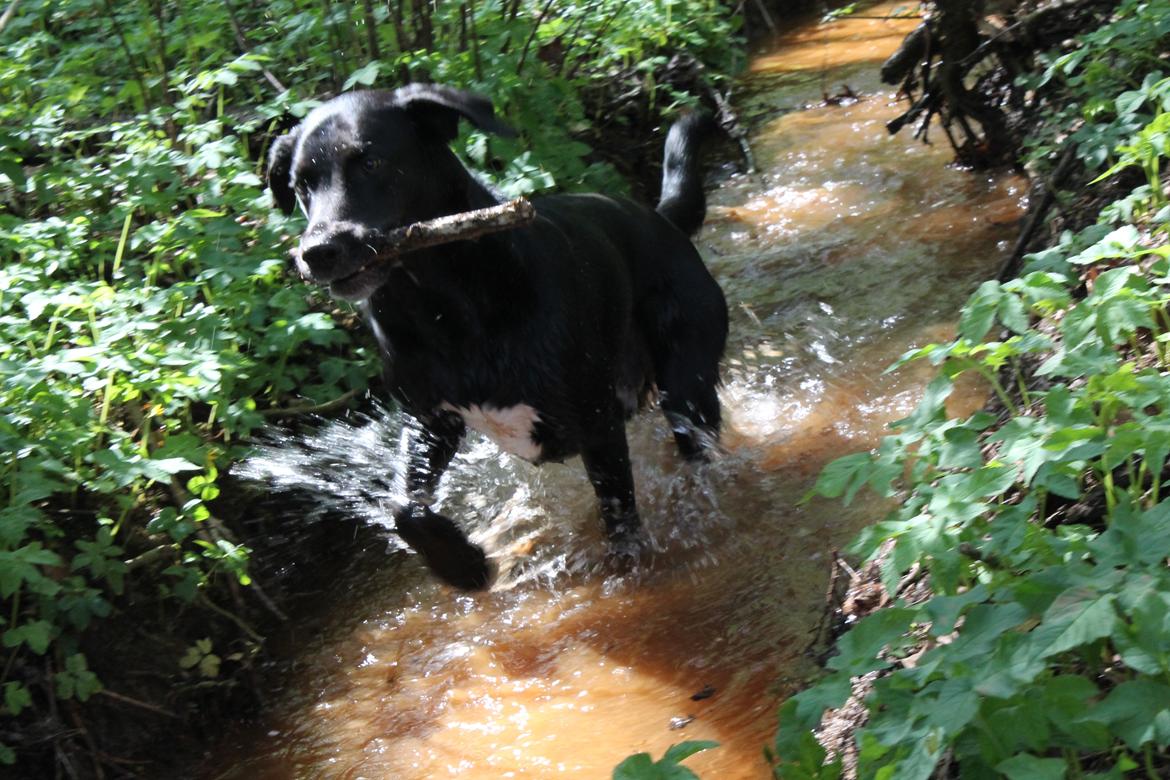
849, 248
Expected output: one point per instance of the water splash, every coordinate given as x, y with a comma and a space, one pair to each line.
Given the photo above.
538, 524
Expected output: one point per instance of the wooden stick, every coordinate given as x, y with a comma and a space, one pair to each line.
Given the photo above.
8, 14
464, 226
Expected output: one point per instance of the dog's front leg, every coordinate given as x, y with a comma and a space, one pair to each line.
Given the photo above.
429, 444
607, 462
429, 447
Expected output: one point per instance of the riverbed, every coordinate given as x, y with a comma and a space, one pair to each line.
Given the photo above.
846, 249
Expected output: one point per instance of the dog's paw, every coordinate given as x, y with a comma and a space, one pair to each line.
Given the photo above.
627, 545
444, 547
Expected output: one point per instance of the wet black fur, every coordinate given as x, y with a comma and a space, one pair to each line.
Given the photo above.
579, 316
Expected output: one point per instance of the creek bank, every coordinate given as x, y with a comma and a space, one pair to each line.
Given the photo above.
1038, 127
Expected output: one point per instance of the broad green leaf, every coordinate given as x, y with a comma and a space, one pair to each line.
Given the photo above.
979, 312
684, 750
35, 634
931, 409
639, 766
1029, 767
859, 648
1078, 616
16, 697
365, 75
845, 476
1138, 711
954, 705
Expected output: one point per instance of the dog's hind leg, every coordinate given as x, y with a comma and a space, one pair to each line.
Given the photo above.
606, 455
429, 447
686, 370
691, 406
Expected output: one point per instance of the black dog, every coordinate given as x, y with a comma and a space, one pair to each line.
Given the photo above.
546, 338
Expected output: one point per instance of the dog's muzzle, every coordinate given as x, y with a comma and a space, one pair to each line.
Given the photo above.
329, 252
344, 257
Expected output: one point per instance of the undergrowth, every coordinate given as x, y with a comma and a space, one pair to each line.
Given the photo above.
148, 322
1043, 650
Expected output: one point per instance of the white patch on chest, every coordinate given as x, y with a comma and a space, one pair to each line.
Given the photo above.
510, 428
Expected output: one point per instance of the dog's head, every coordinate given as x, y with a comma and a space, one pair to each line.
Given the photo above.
365, 163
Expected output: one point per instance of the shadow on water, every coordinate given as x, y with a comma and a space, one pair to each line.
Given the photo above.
850, 248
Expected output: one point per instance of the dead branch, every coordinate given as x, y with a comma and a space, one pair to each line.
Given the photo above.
8, 13
137, 703
1039, 210
309, 408
242, 45
464, 226
906, 58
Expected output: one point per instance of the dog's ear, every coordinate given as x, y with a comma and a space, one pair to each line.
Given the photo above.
280, 168
439, 108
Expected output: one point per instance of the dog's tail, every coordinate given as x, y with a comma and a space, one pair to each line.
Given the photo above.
682, 201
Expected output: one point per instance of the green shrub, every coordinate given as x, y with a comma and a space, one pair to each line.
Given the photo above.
1045, 530
147, 321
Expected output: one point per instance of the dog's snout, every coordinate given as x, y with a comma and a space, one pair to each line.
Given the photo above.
321, 257
329, 252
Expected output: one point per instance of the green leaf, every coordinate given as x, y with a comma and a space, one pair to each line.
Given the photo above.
642, 767
1138, 711
953, 705
859, 648
16, 697
932, 408
1066, 697
1078, 616
684, 750
22, 566
76, 680
923, 758
161, 469
1135, 538
639, 766
1130, 101
1029, 767
803, 711
209, 665
365, 75
979, 313
845, 476
35, 634
1013, 314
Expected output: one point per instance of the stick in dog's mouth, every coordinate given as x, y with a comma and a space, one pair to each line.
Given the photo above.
464, 226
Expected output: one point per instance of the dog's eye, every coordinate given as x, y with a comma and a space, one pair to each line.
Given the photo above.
370, 164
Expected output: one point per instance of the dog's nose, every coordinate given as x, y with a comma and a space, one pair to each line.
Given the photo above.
332, 250
321, 257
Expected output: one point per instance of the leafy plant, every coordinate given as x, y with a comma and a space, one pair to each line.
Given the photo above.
147, 323
641, 766
1041, 651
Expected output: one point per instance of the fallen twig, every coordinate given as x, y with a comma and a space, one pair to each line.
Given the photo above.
1011, 266
212, 531
137, 703
464, 226
730, 123
148, 557
321, 408
234, 618
8, 13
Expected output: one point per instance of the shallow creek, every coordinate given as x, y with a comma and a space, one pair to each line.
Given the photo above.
849, 248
